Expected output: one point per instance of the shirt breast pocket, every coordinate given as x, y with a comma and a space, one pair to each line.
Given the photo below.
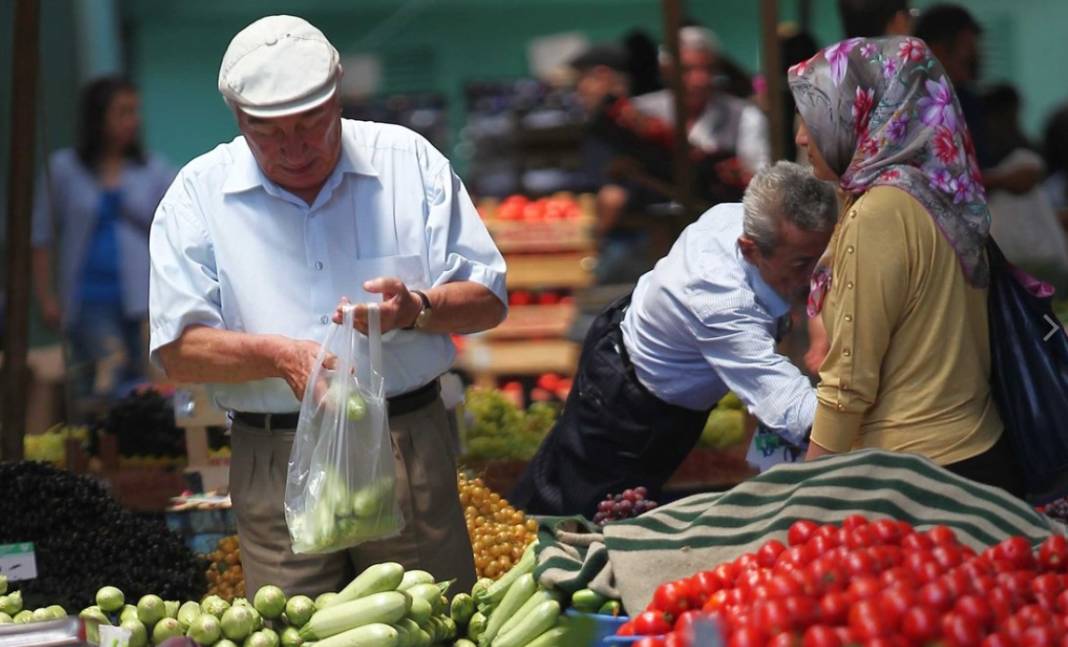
408, 268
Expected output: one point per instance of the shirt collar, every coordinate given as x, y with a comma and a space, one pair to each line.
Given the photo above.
765, 294
246, 174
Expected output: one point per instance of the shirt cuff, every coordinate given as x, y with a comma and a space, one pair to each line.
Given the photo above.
836, 431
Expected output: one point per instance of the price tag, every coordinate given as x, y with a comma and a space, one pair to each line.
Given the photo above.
114, 636
18, 561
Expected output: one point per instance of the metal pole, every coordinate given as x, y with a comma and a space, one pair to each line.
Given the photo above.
20, 193
769, 21
682, 173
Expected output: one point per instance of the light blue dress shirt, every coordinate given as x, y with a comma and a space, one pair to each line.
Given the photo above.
232, 250
68, 205
703, 322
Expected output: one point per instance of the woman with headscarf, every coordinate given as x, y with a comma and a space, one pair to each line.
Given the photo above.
902, 288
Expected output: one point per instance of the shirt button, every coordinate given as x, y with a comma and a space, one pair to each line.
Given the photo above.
324, 320
318, 265
849, 317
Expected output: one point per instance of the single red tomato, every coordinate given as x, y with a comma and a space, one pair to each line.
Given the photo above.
854, 521
975, 609
747, 562
747, 637
803, 611
888, 531
845, 635
1062, 602
936, 595
1047, 583
830, 575
651, 623
727, 572
1014, 628
801, 555
784, 639
983, 584
997, 639
1033, 614
947, 556
1053, 553
820, 636
862, 537
783, 586
917, 541
960, 631
864, 587
821, 545
834, 608
717, 600
1000, 603
958, 582
771, 616
920, 624
769, 552
867, 620
829, 532
1017, 583
943, 536
707, 583
672, 598
801, 531
894, 602
1016, 550
888, 556
860, 562
1040, 636
978, 567
898, 576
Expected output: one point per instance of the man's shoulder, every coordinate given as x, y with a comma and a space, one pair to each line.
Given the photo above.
216, 162
377, 139
715, 278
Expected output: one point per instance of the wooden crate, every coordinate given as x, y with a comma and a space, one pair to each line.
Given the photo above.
535, 321
486, 359
544, 271
543, 236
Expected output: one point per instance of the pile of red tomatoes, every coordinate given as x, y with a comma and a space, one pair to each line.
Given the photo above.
870, 583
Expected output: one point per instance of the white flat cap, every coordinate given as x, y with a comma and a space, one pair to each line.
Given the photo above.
278, 66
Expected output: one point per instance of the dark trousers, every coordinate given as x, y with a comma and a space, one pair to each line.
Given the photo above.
613, 433
997, 466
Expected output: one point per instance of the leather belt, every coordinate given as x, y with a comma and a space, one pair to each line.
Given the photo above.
398, 405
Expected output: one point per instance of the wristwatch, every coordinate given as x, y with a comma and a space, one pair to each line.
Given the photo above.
423, 317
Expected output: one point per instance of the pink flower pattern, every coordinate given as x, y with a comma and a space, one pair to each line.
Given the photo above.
945, 146
890, 68
897, 128
838, 57
862, 105
912, 49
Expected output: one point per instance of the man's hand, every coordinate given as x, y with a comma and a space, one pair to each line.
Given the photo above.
295, 361
51, 313
398, 309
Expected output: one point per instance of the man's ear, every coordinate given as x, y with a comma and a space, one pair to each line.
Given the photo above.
750, 251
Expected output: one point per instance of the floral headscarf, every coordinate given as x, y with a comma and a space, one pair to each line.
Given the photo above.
883, 112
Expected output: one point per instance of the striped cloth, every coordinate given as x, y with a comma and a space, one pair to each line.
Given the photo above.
701, 531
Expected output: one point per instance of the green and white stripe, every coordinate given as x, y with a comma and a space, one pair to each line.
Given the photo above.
698, 532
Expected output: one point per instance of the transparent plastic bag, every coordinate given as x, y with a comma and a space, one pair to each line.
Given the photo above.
340, 488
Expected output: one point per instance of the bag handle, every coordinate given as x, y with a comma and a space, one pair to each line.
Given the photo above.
374, 338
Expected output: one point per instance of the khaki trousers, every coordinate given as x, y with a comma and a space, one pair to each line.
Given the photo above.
434, 536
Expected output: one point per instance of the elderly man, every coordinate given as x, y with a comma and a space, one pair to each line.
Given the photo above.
717, 122
253, 249
702, 322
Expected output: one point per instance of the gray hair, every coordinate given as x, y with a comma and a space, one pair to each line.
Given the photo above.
693, 37
787, 192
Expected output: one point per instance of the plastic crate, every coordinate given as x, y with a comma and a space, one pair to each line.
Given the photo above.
605, 626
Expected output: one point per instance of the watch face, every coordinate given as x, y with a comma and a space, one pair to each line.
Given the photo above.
424, 316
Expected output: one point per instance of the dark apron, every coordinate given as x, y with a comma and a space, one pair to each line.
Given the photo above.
613, 433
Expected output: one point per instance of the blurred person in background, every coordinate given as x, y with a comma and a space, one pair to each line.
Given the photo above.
1056, 154
1025, 225
602, 81
902, 287
716, 122
954, 36
875, 18
92, 213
